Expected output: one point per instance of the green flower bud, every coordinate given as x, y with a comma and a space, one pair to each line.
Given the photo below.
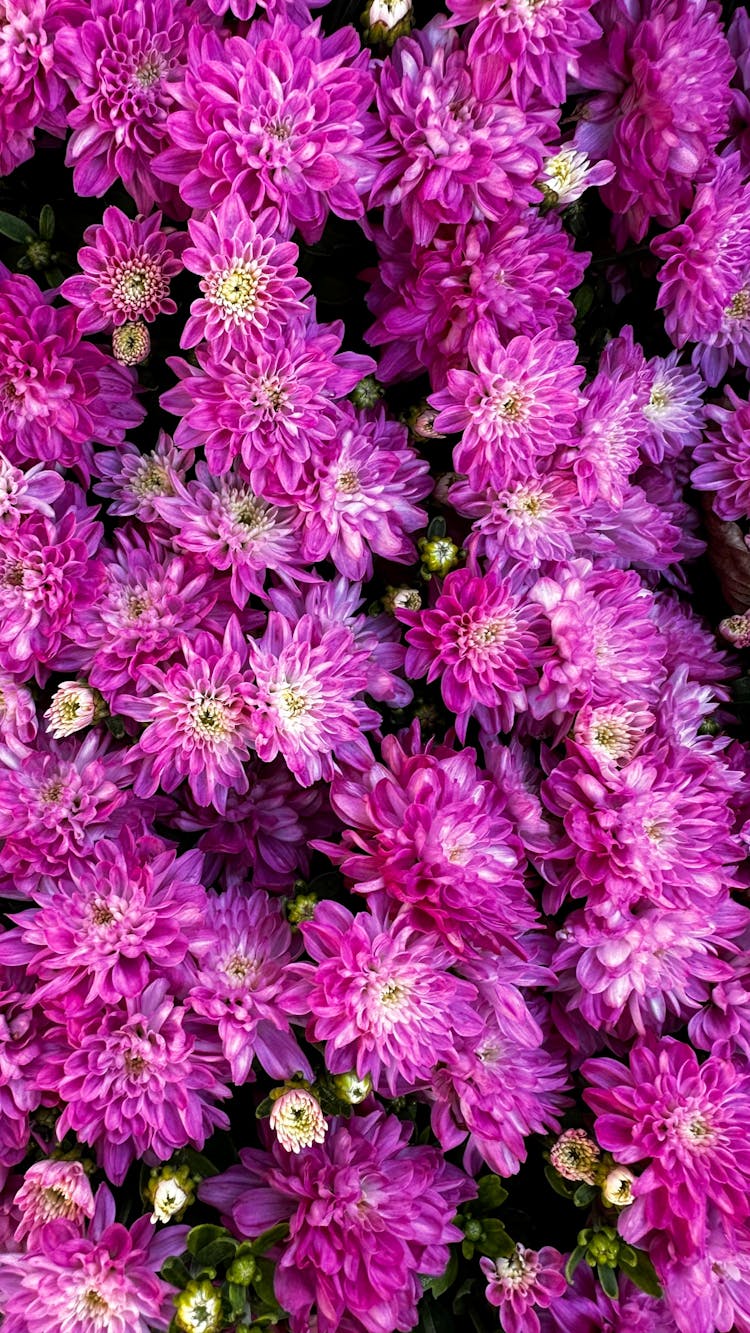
473, 1229
301, 908
198, 1308
367, 393
439, 554
242, 1270
351, 1089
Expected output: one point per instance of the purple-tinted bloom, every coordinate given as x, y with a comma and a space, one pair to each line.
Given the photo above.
724, 459
52, 1190
106, 1279
525, 1281
664, 67
428, 830
249, 281
198, 723
709, 1294
585, 1308
277, 117
126, 271
18, 721
35, 94
456, 148
231, 528
538, 44
265, 409
122, 62
482, 643
516, 407
26, 492
132, 480
130, 910
690, 1123
674, 411
20, 1049
357, 1244
243, 949
305, 695
59, 394
134, 1078
509, 276
381, 997
532, 520
360, 493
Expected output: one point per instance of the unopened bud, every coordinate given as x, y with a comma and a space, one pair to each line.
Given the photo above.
402, 598
351, 1089
384, 21
198, 1308
301, 908
736, 629
297, 1120
439, 554
617, 1187
73, 707
575, 1156
131, 344
367, 393
171, 1191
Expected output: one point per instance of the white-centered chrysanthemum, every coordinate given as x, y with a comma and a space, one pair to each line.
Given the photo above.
73, 708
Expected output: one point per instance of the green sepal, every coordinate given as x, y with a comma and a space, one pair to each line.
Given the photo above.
490, 1196
16, 230
574, 1261
495, 1240
438, 1285
584, 1195
46, 223
562, 1187
175, 1272
269, 1238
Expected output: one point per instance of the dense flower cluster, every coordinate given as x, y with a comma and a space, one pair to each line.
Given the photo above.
374, 432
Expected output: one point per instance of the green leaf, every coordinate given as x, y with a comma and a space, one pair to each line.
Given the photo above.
217, 1252
437, 528
491, 1195
199, 1237
263, 1109
175, 1272
583, 299
268, 1239
199, 1165
433, 1318
263, 1283
54, 277
438, 1285
560, 1186
644, 1276
47, 223
236, 1298
495, 1240
608, 1279
15, 229
574, 1261
467, 1249
584, 1195
628, 1256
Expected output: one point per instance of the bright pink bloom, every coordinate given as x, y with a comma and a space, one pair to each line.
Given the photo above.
532, 520
132, 480
357, 1244
724, 459
26, 492
522, 1283
52, 1190
126, 271
35, 93
20, 1048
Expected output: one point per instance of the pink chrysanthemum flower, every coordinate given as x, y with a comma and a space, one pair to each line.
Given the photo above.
18, 720
659, 830
20, 1049
243, 949
129, 910
724, 459
705, 276
48, 574
35, 92
381, 997
613, 732
55, 803
519, 1285
360, 495
266, 409
58, 394
305, 695
585, 1308
277, 117
105, 1281
132, 480
538, 43
531, 520
674, 412
32, 491
509, 276
517, 406
722, 1026
690, 1123
134, 1079
456, 149
633, 972
149, 600
122, 63
249, 281
127, 267
428, 830
198, 723
52, 1190
231, 528
709, 1293
612, 425
664, 109
357, 1257
481, 642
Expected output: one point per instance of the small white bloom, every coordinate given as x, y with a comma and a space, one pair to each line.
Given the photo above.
569, 172
169, 1199
618, 1187
388, 12
297, 1120
72, 709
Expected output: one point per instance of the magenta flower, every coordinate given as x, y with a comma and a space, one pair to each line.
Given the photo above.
55, 803
122, 62
517, 406
52, 1190
428, 830
231, 528
127, 267
585, 1308
360, 495
35, 91
663, 109
134, 1079
456, 148
132, 480
278, 117
244, 948
18, 720
249, 281
32, 491
105, 1279
381, 997
538, 44
724, 459
674, 411
481, 642
690, 1123
198, 723
710, 1294
356, 1244
266, 409
59, 394
513, 275
532, 520
528, 1280
21, 1038
305, 696
129, 911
